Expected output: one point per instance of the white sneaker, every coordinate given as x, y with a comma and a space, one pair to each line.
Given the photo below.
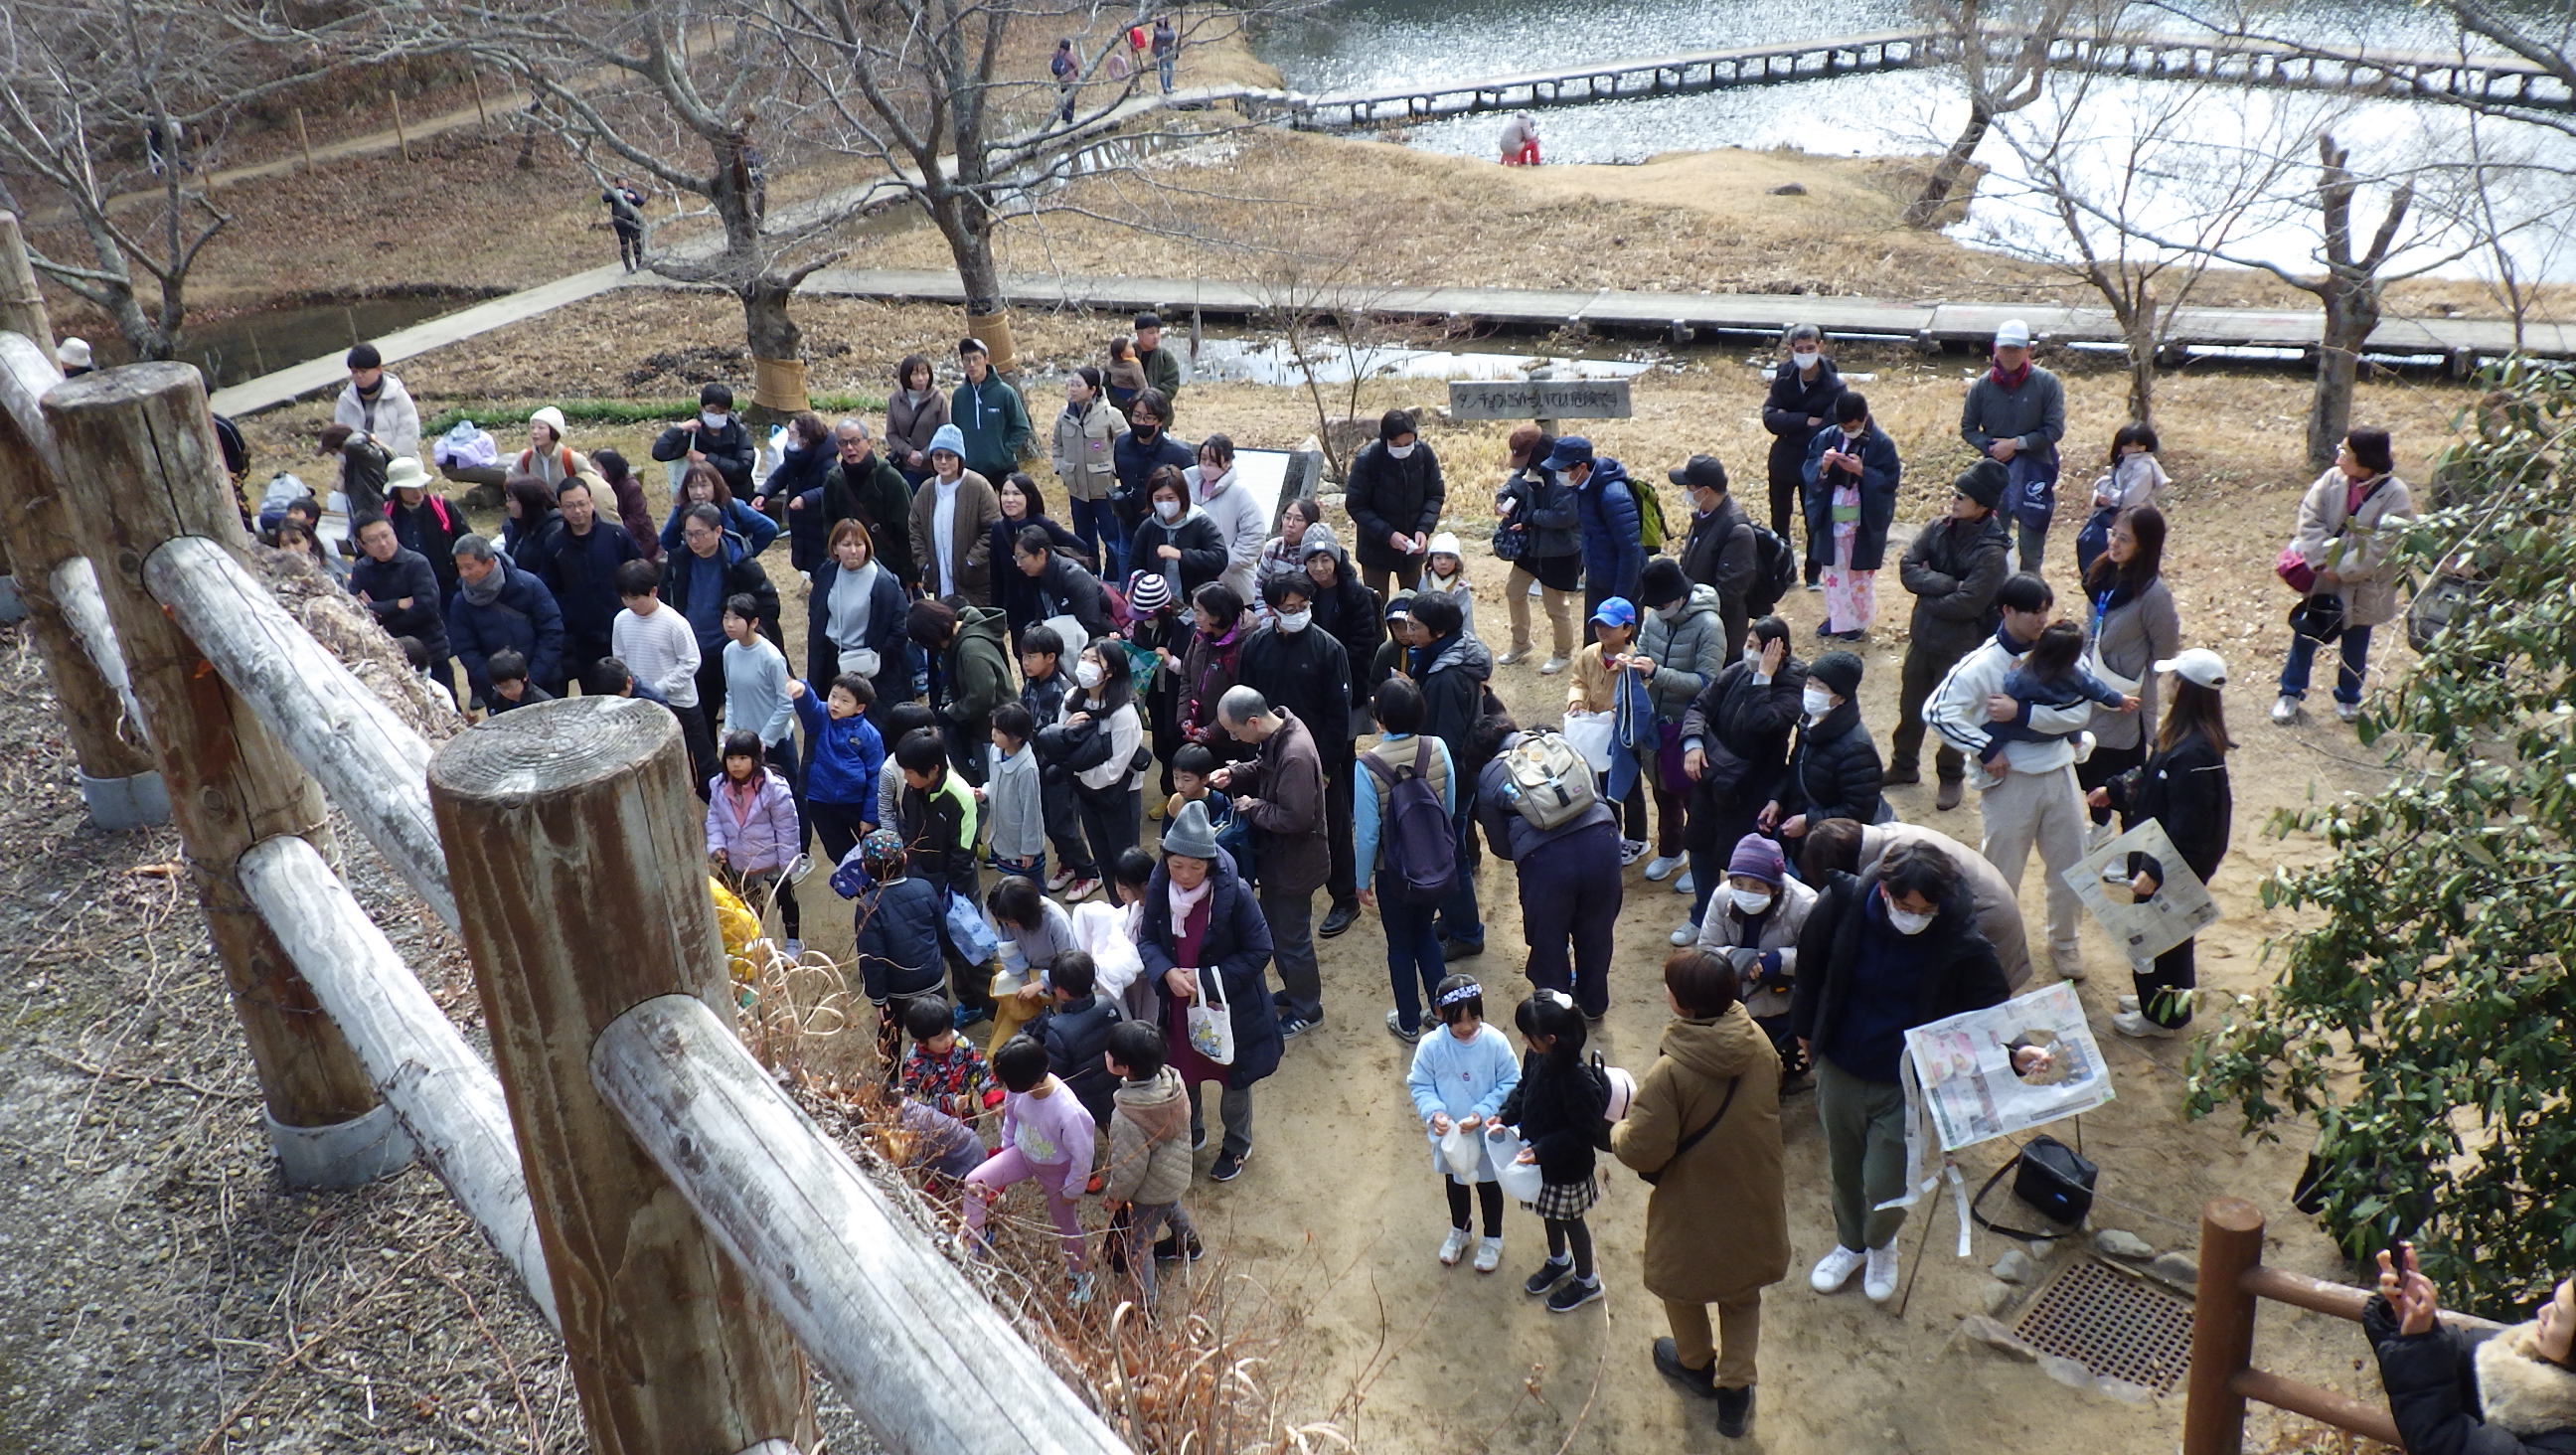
2069, 964
2285, 709
1453, 1247
1515, 655
1686, 934
1553, 665
1631, 850
1835, 1269
1684, 884
2130, 1023
1056, 881
1879, 1281
2098, 835
2129, 1004
796, 950
2084, 747
1489, 1254
1662, 864
2348, 711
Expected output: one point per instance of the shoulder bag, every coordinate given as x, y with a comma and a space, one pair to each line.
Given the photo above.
1733, 1085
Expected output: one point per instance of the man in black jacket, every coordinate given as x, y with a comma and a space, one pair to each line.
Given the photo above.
1893, 948
1954, 567
1394, 495
577, 558
400, 590
1298, 665
715, 436
864, 486
714, 566
1147, 446
1719, 551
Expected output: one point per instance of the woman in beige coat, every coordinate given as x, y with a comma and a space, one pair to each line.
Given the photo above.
2347, 528
1706, 1125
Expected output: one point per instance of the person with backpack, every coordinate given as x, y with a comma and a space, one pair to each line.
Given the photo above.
1406, 848
1611, 517
1536, 802
1540, 533
1723, 550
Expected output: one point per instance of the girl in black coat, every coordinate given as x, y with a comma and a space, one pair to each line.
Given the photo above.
2182, 785
1558, 1107
1803, 393
1350, 612
1834, 769
2462, 1391
1738, 728
1014, 590
1172, 520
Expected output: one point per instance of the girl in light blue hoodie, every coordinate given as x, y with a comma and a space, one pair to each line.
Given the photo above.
1460, 1078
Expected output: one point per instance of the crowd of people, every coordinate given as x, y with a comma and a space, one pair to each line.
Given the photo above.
988, 687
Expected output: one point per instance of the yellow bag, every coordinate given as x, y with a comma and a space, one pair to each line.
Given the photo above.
740, 929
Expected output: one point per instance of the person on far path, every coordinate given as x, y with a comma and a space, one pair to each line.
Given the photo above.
1066, 67
1614, 554
1394, 496
2344, 537
1520, 140
1954, 567
1280, 792
1167, 49
1800, 406
2184, 787
626, 219
1852, 478
2015, 415
989, 414
1718, 553
375, 403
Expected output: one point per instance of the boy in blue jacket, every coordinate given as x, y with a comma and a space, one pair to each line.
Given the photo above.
843, 756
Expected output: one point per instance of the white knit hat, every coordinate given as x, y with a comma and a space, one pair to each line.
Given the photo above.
552, 418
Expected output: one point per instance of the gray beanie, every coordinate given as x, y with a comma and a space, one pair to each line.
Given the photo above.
1189, 834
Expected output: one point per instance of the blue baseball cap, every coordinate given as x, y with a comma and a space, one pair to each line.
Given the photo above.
1617, 612
1574, 449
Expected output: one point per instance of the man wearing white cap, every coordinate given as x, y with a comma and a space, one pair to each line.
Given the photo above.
2016, 414
2183, 786
72, 355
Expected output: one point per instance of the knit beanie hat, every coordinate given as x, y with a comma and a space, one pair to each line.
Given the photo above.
1839, 671
1984, 482
950, 438
1148, 592
1756, 857
1190, 835
1663, 583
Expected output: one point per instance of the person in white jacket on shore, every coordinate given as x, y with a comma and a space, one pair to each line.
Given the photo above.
376, 404
1239, 518
2027, 794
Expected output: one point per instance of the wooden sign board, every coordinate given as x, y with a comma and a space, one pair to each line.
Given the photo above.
1539, 399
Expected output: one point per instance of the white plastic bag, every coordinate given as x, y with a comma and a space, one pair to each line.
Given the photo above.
1211, 1020
1519, 1180
1589, 732
1101, 931
1462, 1152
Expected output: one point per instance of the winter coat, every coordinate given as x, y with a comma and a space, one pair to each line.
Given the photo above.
742, 577
581, 571
843, 756
1546, 512
1098, 752
1954, 568
1134, 462
1290, 840
1074, 1034
799, 476
909, 426
1957, 711
1201, 544
1149, 1142
387, 584
1453, 690
1385, 495
431, 528
1082, 444
1065, 588
1688, 654
1558, 1109
1717, 1219
1881, 473
626, 501
1834, 770
875, 494
1991, 897
888, 611
523, 617
1459, 1079
938, 831
1785, 412
519, 538
728, 449
977, 671
970, 536
1240, 523
756, 529
1719, 554
1236, 948
2355, 545
1162, 370
2184, 788
1722, 927
391, 416
1209, 666
1512, 836
1355, 617
1743, 727
765, 836
995, 421
1959, 968
1309, 674
1613, 554
2130, 639
2456, 1391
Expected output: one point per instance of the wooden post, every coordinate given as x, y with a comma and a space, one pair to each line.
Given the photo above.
474, 78
578, 859
138, 445
303, 139
2222, 1327
400, 139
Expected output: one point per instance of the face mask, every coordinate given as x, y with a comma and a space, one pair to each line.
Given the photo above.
1904, 922
1088, 674
1399, 452
1816, 700
1749, 901
1805, 359
1168, 509
1753, 658
711, 421
1854, 431
1674, 611
1147, 432
1295, 621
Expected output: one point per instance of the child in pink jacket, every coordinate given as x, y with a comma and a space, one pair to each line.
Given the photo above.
752, 832
1046, 1139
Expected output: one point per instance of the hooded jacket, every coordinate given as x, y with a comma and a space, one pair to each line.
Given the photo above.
728, 449
995, 421
1834, 770
391, 416
1134, 460
523, 617
1194, 535
843, 756
1290, 838
1957, 711
1354, 616
1557, 1108
978, 669
1957, 967
1954, 568
1385, 495
1209, 666
1743, 727
1236, 948
1099, 752
1239, 523
2184, 788
1075, 1034
938, 829
1688, 654
873, 494
1613, 553
1149, 1142
1717, 1219
1453, 690
970, 537
2522, 1405
1785, 412
1064, 588
1881, 474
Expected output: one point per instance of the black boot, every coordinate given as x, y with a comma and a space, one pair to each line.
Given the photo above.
1668, 1363
1734, 1411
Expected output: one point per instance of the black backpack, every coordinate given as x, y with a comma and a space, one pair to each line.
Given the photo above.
1417, 852
1775, 572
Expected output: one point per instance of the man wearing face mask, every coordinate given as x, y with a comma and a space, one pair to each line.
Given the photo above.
1394, 496
1605, 506
1299, 666
1884, 951
1800, 405
716, 436
1719, 552
1147, 446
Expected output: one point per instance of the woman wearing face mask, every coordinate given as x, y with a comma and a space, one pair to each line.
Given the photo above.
1231, 508
1394, 496
914, 412
1801, 406
1735, 746
1884, 951
1096, 740
1834, 769
1755, 922
1176, 540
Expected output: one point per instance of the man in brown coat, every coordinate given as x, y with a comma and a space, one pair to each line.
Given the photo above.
1281, 793
1705, 1124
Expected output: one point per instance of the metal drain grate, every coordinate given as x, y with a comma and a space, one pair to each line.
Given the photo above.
2114, 1325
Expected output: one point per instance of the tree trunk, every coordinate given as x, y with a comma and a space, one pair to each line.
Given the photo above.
969, 231
2138, 331
1925, 209
2351, 314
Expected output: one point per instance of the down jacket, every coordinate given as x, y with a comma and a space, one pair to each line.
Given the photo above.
1962, 974
1149, 1142
523, 617
2468, 1392
1688, 654
1236, 948
1834, 770
1614, 555
758, 836
1385, 495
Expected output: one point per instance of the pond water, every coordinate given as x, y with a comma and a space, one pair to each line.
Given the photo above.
1270, 361
247, 345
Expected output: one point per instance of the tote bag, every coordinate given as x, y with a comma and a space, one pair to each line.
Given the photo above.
1211, 1021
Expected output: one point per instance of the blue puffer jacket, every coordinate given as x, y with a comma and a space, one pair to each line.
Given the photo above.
897, 937
523, 617
1236, 947
1613, 556
843, 755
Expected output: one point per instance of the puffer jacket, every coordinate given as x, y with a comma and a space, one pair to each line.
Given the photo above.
1744, 727
2354, 544
1954, 568
898, 937
1613, 554
1074, 1034
1236, 948
764, 835
1082, 450
2185, 788
1149, 1144
1453, 690
1194, 535
843, 755
2456, 1391
1229, 506
1688, 654
1834, 771
1385, 495
1546, 513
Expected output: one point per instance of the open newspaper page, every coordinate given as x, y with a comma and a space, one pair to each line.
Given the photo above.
1965, 1067
2144, 929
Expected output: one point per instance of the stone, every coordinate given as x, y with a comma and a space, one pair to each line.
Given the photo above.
2014, 1267
2127, 1246
2068, 1372
2124, 1391
2178, 1268
1996, 1335
1999, 1295
1790, 189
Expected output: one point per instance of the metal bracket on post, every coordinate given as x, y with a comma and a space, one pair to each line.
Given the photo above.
343, 1154
119, 804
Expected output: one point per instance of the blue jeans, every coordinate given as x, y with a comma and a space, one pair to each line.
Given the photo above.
1458, 917
1413, 963
1098, 527
1164, 65
2303, 656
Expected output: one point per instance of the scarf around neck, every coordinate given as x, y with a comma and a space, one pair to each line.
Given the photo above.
2012, 380
488, 590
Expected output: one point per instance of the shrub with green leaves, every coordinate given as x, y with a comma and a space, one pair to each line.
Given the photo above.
2428, 1025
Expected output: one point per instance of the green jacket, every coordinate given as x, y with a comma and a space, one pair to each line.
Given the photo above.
978, 669
996, 424
1162, 370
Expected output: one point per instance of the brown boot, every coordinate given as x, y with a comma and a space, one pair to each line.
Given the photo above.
1951, 790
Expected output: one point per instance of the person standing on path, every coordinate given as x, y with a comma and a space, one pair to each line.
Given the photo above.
1066, 67
1280, 792
1614, 554
1800, 406
2184, 787
2130, 625
1394, 497
1569, 877
2026, 793
626, 219
2015, 415
1852, 475
1167, 50
1953, 567
2344, 537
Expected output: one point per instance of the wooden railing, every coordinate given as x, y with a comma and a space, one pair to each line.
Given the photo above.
681, 1221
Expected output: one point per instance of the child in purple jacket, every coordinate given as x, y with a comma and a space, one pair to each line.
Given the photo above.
752, 832
1046, 1139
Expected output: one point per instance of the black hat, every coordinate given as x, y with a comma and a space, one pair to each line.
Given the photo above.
1839, 671
1704, 472
1984, 482
1663, 584
1149, 320
967, 346
364, 356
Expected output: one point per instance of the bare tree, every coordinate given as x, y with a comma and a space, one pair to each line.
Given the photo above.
2002, 49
